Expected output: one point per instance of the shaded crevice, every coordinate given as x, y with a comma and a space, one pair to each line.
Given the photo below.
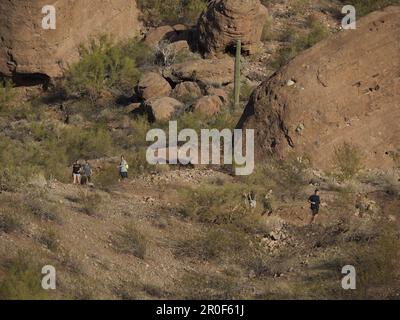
29, 79
320, 80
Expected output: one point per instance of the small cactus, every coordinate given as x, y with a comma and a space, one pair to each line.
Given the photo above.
237, 74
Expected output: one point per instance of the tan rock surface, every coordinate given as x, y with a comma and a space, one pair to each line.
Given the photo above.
26, 48
210, 105
163, 108
226, 21
186, 91
153, 85
346, 88
209, 72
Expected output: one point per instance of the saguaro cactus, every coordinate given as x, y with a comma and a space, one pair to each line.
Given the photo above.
237, 74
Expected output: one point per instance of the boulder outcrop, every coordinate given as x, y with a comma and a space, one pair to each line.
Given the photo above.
207, 72
152, 85
162, 109
209, 105
186, 91
344, 89
27, 50
226, 21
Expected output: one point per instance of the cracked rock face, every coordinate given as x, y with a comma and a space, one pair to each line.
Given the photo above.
344, 89
226, 21
27, 49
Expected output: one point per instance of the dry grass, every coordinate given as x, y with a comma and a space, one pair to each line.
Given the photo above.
91, 202
22, 279
132, 241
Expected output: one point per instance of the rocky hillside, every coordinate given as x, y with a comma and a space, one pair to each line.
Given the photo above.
346, 88
188, 234
315, 94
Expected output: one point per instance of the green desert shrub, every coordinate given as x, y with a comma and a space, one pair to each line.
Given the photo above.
35, 204
347, 160
106, 178
274, 177
22, 279
299, 40
103, 65
12, 154
290, 177
221, 205
79, 143
216, 243
49, 150
159, 12
198, 121
266, 32
139, 51
10, 223
49, 239
299, 6
6, 95
317, 32
376, 264
364, 7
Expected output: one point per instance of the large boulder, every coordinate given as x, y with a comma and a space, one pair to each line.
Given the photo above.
159, 34
209, 105
187, 91
179, 48
26, 49
167, 33
226, 21
344, 89
152, 85
162, 109
207, 72
221, 93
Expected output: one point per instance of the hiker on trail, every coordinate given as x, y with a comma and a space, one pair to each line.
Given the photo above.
123, 168
87, 172
267, 204
315, 201
76, 172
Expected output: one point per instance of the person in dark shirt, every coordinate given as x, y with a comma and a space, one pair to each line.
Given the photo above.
315, 201
76, 172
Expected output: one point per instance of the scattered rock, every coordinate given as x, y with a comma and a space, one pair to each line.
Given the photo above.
163, 108
133, 107
210, 105
221, 93
153, 85
300, 128
186, 91
179, 47
208, 72
290, 83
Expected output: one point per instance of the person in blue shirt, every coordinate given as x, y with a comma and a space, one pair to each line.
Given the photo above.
315, 201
